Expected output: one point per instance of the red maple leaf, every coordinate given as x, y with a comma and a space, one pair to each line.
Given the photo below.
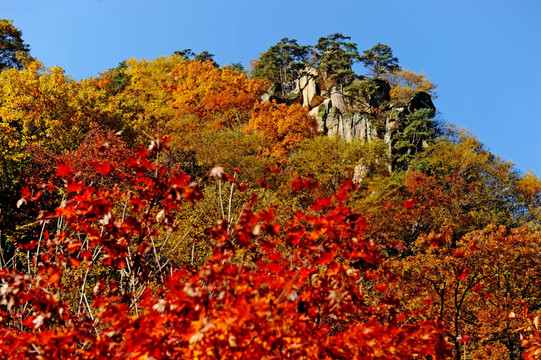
102, 168
64, 169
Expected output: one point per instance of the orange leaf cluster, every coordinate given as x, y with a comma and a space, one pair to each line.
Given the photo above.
285, 126
222, 96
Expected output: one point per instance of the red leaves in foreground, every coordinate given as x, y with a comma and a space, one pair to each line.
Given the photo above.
64, 169
302, 184
269, 290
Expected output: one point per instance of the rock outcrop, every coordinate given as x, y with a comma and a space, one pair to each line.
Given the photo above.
420, 100
307, 86
362, 110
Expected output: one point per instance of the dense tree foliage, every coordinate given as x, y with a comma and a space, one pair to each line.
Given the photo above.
379, 60
332, 57
283, 126
282, 62
419, 127
335, 57
404, 83
162, 210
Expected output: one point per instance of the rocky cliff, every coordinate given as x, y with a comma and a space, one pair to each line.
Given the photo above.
362, 110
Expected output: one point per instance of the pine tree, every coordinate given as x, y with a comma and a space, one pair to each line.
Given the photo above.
283, 62
379, 60
335, 58
12, 47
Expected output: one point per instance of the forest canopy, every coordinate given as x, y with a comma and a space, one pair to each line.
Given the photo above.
173, 208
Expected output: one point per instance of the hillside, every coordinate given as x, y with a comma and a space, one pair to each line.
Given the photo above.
173, 208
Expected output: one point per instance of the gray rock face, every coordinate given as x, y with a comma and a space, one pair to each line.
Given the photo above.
265, 97
390, 127
309, 90
354, 120
321, 113
307, 87
334, 118
337, 99
349, 126
332, 122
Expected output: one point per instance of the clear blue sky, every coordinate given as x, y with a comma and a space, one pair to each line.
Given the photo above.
485, 55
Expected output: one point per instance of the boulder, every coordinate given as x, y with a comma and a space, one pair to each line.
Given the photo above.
365, 130
313, 112
358, 126
420, 100
265, 97
391, 126
346, 128
359, 173
271, 93
307, 86
316, 101
303, 81
309, 89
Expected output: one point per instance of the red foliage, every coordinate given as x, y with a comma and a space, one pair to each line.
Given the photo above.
301, 184
298, 296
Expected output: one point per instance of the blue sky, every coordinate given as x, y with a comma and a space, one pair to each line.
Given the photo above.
485, 55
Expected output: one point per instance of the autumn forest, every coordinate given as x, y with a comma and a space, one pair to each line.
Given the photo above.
177, 208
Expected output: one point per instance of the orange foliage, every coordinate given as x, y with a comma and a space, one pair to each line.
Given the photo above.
477, 291
221, 95
284, 125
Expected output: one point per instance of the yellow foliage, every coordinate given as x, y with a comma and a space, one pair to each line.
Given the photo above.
169, 89
45, 106
145, 101
530, 185
404, 83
